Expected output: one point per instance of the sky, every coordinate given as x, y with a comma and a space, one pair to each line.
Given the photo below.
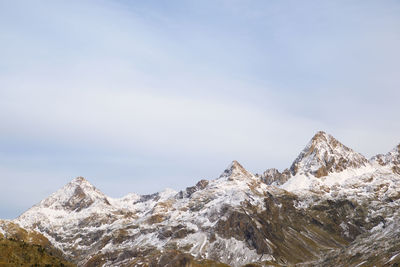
139, 96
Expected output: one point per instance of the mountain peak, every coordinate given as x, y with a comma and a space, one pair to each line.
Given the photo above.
324, 138
395, 152
273, 176
235, 171
392, 158
75, 196
325, 154
321, 135
80, 181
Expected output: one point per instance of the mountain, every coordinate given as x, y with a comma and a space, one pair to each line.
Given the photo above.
323, 155
77, 195
235, 171
20, 247
274, 177
327, 209
391, 159
87, 225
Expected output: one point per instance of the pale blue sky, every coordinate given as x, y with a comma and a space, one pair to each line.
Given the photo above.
137, 96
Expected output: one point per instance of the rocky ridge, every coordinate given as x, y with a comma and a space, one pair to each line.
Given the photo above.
327, 206
391, 159
323, 155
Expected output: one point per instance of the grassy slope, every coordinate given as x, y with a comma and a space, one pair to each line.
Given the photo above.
19, 253
27, 248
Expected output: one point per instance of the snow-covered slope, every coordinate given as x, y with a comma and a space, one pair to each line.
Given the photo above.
324, 154
329, 197
391, 159
81, 221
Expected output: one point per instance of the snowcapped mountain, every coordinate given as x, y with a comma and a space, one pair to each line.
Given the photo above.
235, 171
322, 211
323, 155
84, 223
77, 195
391, 159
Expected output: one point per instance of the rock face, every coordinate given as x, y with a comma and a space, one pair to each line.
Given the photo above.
77, 195
326, 210
94, 230
323, 155
235, 171
274, 177
391, 159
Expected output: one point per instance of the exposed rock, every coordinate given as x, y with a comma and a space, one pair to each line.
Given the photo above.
324, 154
77, 195
391, 159
311, 215
274, 177
235, 171
190, 190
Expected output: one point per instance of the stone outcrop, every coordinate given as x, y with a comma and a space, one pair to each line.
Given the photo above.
324, 154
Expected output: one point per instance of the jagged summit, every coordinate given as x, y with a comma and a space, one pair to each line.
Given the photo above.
235, 171
392, 159
276, 218
79, 180
274, 177
75, 196
324, 154
394, 156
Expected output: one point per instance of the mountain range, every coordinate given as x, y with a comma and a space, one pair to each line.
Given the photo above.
331, 207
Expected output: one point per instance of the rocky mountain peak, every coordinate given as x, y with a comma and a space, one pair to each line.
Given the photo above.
274, 177
79, 180
325, 154
239, 219
392, 158
75, 196
80, 184
235, 171
321, 136
324, 139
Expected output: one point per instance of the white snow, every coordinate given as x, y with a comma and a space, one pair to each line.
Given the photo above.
196, 214
79, 210
393, 257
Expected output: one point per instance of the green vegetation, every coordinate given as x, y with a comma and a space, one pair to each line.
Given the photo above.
19, 253
27, 248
